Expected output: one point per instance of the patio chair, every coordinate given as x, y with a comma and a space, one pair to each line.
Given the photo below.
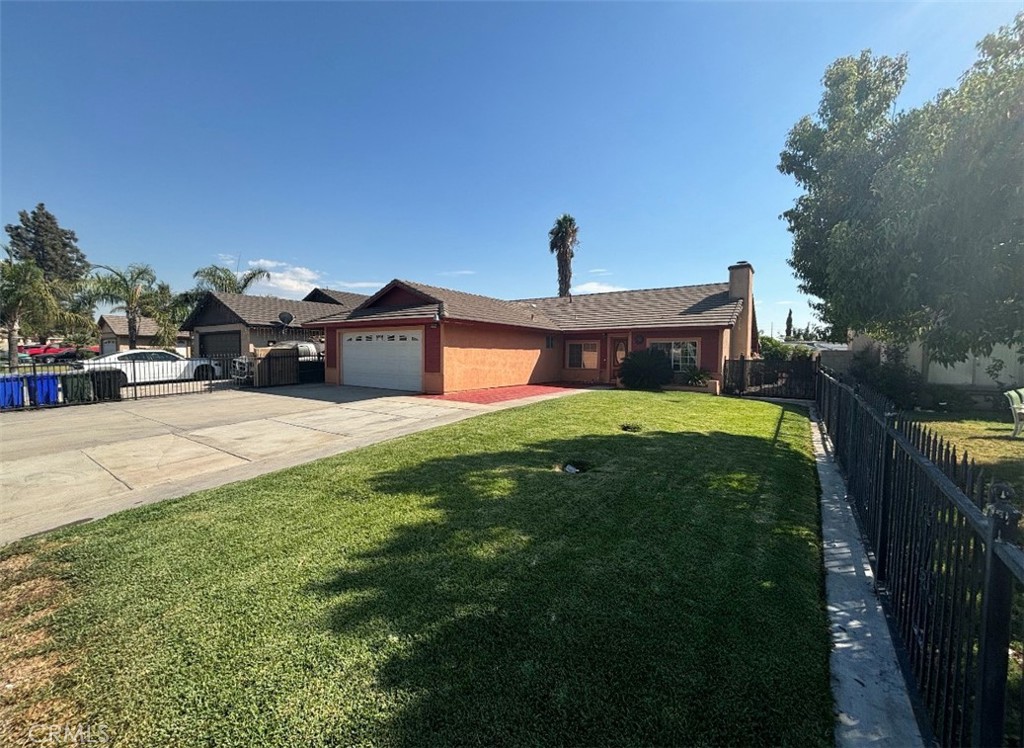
1016, 398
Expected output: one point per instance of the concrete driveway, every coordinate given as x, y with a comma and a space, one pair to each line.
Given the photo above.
69, 465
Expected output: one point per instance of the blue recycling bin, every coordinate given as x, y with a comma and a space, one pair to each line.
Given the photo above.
12, 391
42, 389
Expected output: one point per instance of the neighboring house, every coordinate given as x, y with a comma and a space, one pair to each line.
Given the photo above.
229, 324
113, 334
410, 336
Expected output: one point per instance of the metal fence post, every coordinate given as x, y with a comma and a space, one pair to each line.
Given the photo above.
996, 603
885, 502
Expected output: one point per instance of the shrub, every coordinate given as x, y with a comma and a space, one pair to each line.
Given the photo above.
648, 369
693, 376
892, 377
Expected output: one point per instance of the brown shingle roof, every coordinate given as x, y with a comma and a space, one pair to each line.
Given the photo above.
118, 324
344, 298
261, 311
682, 306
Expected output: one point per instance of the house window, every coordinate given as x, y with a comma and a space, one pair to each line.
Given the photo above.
682, 353
549, 342
581, 355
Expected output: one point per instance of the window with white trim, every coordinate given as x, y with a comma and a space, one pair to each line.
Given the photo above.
682, 353
581, 355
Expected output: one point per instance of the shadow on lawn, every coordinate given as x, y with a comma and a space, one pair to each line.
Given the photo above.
670, 594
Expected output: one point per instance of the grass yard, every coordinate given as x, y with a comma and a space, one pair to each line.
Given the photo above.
986, 437
451, 588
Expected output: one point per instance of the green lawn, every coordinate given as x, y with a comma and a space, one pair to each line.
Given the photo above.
986, 437
455, 587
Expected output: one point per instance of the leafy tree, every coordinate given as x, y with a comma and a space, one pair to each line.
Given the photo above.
218, 278
29, 301
911, 226
562, 241
834, 157
38, 237
789, 324
134, 291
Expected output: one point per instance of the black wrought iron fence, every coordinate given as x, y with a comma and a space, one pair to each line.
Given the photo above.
946, 560
277, 367
135, 375
767, 378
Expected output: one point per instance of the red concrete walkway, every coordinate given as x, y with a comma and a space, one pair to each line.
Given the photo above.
502, 394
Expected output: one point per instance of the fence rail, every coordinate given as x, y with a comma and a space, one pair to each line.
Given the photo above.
946, 561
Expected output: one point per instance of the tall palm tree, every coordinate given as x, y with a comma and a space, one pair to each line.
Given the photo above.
133, 290
563, 240
217, 278
28, 300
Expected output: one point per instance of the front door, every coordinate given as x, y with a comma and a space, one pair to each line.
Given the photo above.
619, 349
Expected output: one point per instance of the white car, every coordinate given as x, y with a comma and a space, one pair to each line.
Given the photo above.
138, 366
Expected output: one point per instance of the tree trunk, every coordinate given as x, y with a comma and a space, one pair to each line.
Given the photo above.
133, 329
12, 344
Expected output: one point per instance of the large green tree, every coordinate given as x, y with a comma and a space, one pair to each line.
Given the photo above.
218, 278
562, 241
911, 225
133, 290
29, 302
38, 237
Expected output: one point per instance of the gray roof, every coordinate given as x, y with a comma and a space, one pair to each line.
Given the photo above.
345, 298
260, 311
118, 324
706, 305
681, 306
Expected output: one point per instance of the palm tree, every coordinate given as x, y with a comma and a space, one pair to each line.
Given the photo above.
28, 300
217, 278
134, 290
563, 241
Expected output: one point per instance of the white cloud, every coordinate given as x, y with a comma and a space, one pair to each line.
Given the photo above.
226, 259
458, 272
267, 264
287, 281
600, 271
356, 284
596, 287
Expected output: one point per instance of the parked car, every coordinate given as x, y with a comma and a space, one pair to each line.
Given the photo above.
308, 350
138, 366
65, 355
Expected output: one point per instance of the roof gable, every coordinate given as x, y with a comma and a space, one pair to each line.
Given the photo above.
118, 325
253, 311
330, 296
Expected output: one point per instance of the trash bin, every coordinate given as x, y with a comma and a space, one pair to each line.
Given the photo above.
106, 384
42, 389
12, 391
77, 388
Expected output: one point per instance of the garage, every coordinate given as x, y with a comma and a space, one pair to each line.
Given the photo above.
220, 344
388, 359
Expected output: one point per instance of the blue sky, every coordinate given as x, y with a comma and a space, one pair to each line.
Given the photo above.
344, 144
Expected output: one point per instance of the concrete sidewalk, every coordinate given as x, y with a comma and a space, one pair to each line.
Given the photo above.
68, 465
871, 700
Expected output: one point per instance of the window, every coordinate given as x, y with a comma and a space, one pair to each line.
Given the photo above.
549, 342
682, 353
581, 355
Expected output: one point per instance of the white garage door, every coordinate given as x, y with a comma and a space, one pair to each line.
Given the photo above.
389, 359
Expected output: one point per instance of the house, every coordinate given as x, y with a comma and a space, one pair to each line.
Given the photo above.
411, 336
113, 335
228, 324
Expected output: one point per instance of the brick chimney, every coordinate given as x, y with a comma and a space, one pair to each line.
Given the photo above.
741, 286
